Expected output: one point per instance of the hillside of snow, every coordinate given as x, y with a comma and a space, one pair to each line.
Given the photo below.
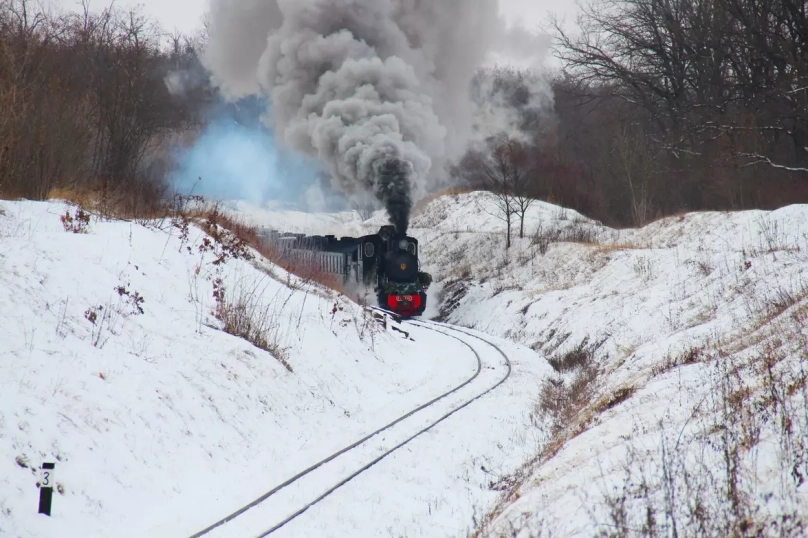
660, 379
679, 402
114, 367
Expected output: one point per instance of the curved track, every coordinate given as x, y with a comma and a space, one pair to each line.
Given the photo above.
429, 325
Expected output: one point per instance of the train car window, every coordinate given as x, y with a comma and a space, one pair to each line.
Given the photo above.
370, 250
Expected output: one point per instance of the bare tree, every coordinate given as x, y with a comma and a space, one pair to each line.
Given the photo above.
365, 210
84, 105
521, 180
714, 76
500, 173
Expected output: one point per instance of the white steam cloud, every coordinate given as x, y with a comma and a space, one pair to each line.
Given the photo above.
377, 90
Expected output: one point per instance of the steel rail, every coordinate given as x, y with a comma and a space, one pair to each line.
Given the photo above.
339, 453
364, 468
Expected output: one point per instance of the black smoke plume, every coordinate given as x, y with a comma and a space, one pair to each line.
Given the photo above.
393, 188
376, 90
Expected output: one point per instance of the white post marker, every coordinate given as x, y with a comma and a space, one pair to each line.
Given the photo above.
46, 483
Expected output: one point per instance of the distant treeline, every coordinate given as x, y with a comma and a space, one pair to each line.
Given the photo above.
84, 104
674, 105
664, 106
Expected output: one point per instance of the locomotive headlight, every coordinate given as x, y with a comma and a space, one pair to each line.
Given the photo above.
404, 244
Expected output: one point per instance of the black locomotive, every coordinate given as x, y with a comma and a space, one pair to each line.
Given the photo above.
385, 262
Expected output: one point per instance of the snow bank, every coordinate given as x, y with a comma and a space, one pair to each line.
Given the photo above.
694, 323
160, 423
686, 315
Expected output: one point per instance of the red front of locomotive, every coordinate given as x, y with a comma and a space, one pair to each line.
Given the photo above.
407, 305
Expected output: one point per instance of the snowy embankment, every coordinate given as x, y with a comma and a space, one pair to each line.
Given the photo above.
678, 398
679, 403
113, 366
681, 350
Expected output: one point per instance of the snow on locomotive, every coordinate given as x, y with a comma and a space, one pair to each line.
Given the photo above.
385, 262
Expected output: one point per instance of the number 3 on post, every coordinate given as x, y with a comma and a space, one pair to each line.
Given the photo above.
46, 482
46, 478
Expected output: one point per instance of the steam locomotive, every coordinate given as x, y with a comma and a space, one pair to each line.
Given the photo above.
386, 262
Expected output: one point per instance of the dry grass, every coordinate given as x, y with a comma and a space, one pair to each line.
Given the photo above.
612, 400
574, 359
709, 474
244, 312
241, 233
453, 191
562, 399
756, 394
692, 355
80, 198
617, 247
580, 232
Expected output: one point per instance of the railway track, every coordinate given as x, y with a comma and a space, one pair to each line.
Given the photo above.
450, 332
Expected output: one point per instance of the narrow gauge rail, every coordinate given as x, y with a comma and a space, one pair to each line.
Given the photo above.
429, 325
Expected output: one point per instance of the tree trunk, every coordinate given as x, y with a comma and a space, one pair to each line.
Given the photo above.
522, 225
508, 233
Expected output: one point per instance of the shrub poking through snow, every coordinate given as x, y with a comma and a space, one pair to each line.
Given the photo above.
243, 313
227, 240
701, 480
577, 232
131, 298
576, 358
562, 398
78, 223
102, 319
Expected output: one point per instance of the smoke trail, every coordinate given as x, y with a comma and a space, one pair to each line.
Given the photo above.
377, 90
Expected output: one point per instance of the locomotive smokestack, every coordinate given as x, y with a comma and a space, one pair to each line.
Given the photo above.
394, 188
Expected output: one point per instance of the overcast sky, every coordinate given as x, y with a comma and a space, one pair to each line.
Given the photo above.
186, 15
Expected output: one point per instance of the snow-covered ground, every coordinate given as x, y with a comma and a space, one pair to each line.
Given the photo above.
160, 423
696, 328
680, 396
697, 325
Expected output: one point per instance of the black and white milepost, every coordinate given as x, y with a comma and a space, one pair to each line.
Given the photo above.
46, 481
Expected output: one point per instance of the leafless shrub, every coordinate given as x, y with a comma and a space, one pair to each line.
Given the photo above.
562, 398
704, 267
773, 237
367, 323
78, 223
246, 313
132, 299
103, 319
365, 211
644, 268
577, 357
692, 355
542, 238
578, 232
784, 298
457, 255
561, 401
